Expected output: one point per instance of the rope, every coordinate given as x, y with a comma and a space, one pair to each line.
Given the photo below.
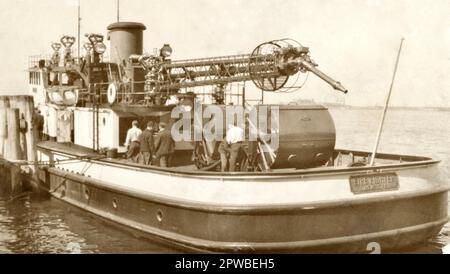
211, 166
59, 185
58, 162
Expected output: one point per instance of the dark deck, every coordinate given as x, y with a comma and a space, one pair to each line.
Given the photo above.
183, 164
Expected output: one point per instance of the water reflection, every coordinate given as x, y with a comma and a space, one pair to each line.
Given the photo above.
36, 224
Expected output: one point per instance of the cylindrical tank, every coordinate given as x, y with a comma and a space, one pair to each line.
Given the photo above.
295, 136
126, 39
307, 137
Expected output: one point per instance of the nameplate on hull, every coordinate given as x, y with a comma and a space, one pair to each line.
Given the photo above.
374, 183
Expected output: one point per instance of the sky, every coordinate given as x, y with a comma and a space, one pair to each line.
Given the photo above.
354, 41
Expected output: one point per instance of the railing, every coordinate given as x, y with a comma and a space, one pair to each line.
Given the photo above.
33, 61
98, 94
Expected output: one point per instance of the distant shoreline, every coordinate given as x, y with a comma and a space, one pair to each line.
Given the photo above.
390, 108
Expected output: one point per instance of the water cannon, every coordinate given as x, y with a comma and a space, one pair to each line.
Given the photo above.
97, 45
56, 47
88, 47
67, 41
56, 55
165, 51
289, 57
273, 66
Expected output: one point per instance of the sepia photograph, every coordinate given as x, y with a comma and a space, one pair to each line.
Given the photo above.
224, 126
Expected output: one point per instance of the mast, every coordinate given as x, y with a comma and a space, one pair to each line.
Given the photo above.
79, 28
386, 105
118, 10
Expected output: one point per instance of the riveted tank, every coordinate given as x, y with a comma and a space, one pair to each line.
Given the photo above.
293, 136
307, 137
126, 39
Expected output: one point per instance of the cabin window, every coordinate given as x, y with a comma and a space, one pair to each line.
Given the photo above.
35, 78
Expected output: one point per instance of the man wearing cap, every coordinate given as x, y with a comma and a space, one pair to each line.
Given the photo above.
147, 145
132, 141
164, 146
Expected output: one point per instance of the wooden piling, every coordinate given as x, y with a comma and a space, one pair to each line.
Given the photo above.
26, 106
6, 148
19, 102
3, 129
14, 152
26, 135
31, 137
12, 117
17, 144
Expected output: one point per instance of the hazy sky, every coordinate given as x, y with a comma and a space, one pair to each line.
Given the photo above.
354, 41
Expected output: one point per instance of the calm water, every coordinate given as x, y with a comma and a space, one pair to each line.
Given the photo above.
42, 225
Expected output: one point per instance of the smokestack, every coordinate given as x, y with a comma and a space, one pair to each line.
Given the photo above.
126, 39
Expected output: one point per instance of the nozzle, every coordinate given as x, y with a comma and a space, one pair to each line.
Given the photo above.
335, 84
338, 86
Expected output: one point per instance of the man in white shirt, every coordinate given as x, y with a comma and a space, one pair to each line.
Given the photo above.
132, 142
231, 147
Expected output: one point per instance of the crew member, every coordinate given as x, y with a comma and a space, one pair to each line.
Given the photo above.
164, 146
39, 123
147, 145
132, 141
224, 150
231, 147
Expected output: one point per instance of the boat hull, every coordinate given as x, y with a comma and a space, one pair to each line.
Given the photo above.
327, 216
346, 228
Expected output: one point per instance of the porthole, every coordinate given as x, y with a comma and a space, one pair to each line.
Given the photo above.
114, 203
159, 216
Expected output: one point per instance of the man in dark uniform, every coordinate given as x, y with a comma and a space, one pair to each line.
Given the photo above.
38, 121
164, 146
147, 145
224, 150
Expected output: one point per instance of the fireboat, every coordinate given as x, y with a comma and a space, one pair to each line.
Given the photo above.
303, 195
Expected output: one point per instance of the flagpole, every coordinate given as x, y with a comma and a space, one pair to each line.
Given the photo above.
386, 105
79, 28
118, 12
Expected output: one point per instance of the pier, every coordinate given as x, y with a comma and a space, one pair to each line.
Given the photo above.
17, 146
